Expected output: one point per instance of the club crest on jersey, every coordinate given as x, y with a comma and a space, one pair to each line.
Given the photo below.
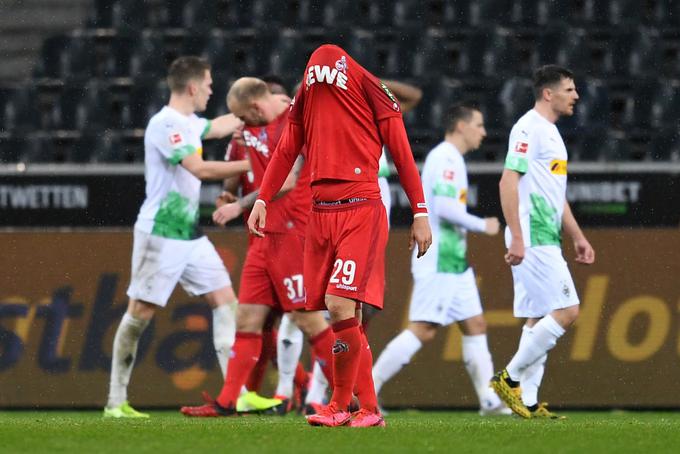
448, 174
326, 74
521, 147
176, 138
340, 347
341, 65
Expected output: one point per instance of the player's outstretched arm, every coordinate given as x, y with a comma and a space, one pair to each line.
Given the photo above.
213, 170
585, 253
508, 187
223, 126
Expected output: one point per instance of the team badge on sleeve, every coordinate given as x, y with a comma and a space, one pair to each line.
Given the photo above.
521, 147
176, 138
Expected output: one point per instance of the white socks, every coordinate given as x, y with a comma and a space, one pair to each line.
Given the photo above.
539, 340
288, 351
316, 394
532, 375
224, 333
124, 352
396, 355
478, 363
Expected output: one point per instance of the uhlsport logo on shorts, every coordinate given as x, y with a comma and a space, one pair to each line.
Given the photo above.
340, 347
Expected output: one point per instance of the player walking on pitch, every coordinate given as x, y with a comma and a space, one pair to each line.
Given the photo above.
533, 197
445, 290
272, 275
343, 115
168, 246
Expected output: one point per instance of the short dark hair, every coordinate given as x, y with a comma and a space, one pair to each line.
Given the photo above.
548, 76
184, 69
461, 111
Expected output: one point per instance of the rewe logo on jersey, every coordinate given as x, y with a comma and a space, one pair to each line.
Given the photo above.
331, 76
256, 143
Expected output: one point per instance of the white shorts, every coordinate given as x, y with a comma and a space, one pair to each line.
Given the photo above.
386, 196
159, 263
444, 298
542, 283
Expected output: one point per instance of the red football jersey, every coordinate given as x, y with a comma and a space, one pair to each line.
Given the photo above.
289, 212
343, 115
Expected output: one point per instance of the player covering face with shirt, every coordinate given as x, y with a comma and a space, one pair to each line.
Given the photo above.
343, 115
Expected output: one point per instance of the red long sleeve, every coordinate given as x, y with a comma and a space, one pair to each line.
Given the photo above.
286, 152
394, 136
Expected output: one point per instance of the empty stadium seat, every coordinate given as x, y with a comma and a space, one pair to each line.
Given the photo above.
81, 107
147, 96
12, 148
634, 52
537, 12
118, 148
121, 14
190, 14
384, 53
665, 108
516, 96
665, 145
564, 46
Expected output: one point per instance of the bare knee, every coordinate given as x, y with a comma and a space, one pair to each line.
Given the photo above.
311, 323
473, 326
567, 316
340, 308
424, 331
220, 296
141, 309
250, 318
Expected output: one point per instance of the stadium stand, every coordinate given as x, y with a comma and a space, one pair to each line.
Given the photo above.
93, 89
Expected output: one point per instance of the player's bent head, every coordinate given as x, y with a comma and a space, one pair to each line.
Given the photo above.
187, 69
465, 120
549, 76
248, 98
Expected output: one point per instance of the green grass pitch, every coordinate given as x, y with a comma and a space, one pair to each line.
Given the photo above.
406, 431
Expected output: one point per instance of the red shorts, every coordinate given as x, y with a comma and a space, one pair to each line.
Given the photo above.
345, 253
272, 272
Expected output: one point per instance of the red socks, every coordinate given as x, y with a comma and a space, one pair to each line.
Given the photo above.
322, 348
364, 387
244, 356
268, 353
347, 355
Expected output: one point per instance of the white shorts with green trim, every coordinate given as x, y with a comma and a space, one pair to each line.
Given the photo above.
158, 264
542, 283
444, 298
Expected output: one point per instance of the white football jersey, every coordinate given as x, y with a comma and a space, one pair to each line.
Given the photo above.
444, 174
170, 209
536, 150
